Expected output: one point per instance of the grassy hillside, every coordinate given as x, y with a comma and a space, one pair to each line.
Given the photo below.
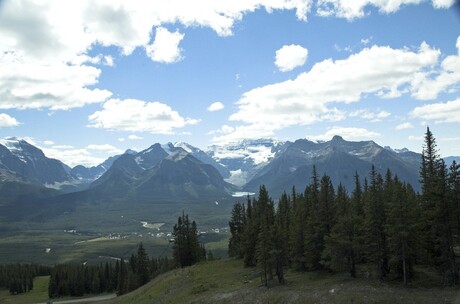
226, 281
38, 294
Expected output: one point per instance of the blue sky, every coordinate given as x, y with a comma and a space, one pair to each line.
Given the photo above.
84, 80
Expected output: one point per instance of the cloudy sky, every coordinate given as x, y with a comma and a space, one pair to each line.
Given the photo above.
87, 79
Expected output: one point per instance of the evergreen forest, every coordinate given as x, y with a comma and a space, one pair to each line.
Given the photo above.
383, 222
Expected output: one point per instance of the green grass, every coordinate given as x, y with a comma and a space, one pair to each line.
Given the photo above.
26, 241
38, 294
227, 281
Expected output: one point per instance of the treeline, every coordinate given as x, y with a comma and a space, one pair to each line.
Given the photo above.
384, 223
19, 278
125, 276
121, 277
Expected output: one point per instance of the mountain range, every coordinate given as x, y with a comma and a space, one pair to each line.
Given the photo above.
181, 172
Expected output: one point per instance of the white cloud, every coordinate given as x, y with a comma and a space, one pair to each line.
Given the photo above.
73, 157
165, 48
44, 60
429, 84
135, 137
415, 138
8, 121
366, 114
356, 9
366, 41
138, 116
216, 106
448, 112
443, 3
404, 126
48, 142
104, 147
290, 57
307, 99
347, 134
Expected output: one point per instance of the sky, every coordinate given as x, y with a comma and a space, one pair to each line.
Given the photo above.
84, 80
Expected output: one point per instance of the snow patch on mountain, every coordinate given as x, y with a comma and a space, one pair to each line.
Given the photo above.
256, 151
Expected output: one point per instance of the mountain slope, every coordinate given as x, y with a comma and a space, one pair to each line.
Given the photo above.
179, 176
337, 158
29, 162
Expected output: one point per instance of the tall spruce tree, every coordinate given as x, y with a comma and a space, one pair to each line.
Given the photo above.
401, 228
437, 213
236, 224
186, 249
375, 219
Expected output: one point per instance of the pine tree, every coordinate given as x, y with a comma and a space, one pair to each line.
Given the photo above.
402, 230
297, 231
344, 243
454, 198
265, 244
236, 224
143, 266
315, 227
375, 219
186, 249
437, 212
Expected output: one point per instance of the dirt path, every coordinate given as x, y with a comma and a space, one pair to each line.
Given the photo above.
92, 299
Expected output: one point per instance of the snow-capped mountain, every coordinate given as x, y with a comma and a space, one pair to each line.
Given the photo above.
338, 158
244, 159
30, 163
160, 172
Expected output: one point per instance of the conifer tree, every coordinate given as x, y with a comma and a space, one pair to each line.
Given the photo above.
143, 265
401, 227
297, 231
375, 219
437, 212
236, 224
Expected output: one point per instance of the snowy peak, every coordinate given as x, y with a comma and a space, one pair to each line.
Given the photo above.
178, 155
26, 160
254, 151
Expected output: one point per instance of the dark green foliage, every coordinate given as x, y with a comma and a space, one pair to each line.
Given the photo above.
344, 244
78, 280
384, 224
236, 224
187, 250
403, 240
122, 277
18, 278
437, 212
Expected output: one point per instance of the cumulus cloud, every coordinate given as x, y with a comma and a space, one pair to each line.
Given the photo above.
372, 117
135, 137
290, 57
216, 106
104, 147
448, 112
73, 157
8, 121
307, 99
165, 48
404, 126
44, 61
347, 134
356, 9
138, 116
429, 84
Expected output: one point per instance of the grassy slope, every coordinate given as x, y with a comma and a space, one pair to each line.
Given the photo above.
226, 281
38, 294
